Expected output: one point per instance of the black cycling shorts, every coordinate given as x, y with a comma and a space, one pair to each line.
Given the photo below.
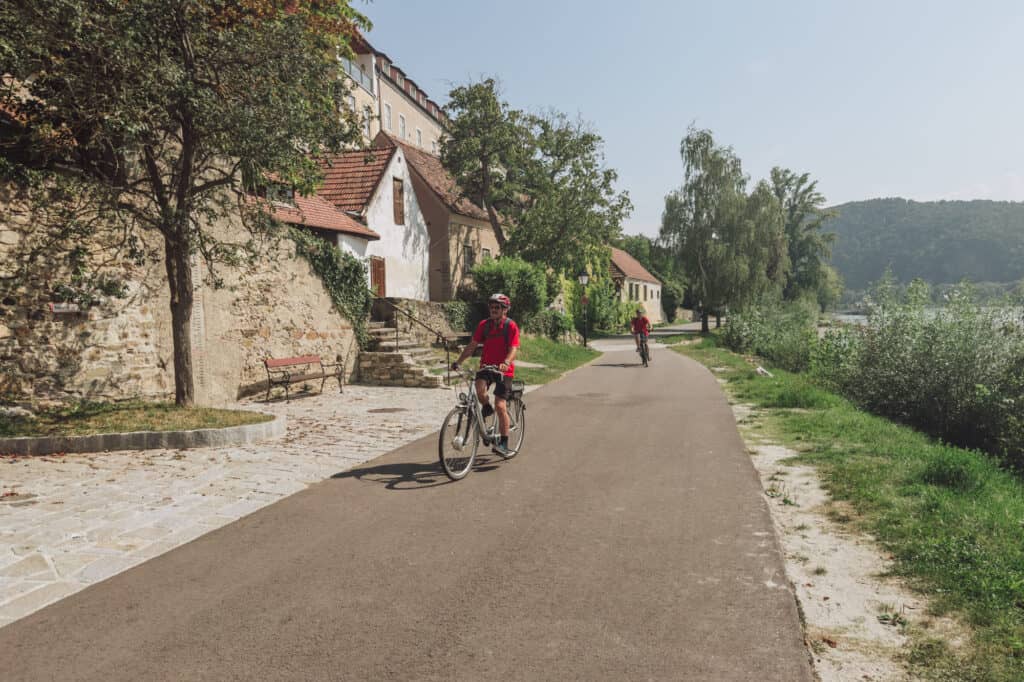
503, 382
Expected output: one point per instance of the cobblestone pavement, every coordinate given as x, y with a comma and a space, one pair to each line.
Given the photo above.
69, 521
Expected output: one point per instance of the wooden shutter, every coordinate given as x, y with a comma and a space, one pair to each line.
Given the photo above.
399, 198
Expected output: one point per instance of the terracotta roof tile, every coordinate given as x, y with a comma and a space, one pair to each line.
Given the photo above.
316, 212
630, 267
351, 177
437, 178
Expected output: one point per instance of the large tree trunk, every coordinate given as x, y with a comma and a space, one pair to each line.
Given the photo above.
704, 328
718, 320
179, 279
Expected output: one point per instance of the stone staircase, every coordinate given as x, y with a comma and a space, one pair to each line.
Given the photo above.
397, 360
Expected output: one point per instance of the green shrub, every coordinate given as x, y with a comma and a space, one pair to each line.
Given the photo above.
550, 323
459, 315
958, 470
524, 283
605, 309
782, 333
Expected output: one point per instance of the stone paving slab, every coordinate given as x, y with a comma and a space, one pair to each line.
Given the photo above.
77, 519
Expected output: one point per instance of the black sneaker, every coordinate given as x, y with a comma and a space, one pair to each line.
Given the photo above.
487, 410
502, 447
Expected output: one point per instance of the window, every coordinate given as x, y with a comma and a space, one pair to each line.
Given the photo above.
433, 146
399, 79
468, 257
281, 194
485, 254
351, 102
387, 116
419, 137
398, 194
645, 292
401, 126
367, 117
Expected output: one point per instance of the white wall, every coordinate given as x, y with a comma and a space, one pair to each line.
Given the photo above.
404, 248
352, 244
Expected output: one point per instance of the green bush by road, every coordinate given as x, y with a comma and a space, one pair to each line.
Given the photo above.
952, 518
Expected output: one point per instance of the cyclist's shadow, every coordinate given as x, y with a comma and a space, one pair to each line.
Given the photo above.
414, 475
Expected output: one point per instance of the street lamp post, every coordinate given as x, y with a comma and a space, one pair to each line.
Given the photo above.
583, 278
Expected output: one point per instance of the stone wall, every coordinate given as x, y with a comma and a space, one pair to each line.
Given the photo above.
429, 313
120, 348
276, 308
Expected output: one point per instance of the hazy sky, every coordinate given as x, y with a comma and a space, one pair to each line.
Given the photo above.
923, 100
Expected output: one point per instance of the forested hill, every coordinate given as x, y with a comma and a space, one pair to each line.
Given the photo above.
938, 241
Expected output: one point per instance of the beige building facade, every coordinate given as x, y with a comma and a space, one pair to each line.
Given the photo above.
636, 285
387, 99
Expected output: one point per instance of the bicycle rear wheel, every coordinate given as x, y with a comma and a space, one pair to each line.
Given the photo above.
457, 443
517, 426
644, 353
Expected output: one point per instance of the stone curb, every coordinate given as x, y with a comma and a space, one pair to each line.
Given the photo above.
148, 440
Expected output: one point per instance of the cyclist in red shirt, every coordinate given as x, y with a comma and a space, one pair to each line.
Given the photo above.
500, 338
640, 325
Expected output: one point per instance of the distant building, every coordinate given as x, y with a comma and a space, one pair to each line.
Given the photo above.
387, 99
636, 284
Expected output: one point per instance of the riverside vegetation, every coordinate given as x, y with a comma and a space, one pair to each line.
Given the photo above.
935, 473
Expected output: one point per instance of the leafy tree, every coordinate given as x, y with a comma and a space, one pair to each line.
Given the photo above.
163, 111
486, 149
549, 197
571, 211
808, 247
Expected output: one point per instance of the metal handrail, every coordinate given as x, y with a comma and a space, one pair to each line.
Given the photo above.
440, 336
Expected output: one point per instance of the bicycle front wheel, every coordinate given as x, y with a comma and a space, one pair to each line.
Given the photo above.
517, 426
457, 443
644, 353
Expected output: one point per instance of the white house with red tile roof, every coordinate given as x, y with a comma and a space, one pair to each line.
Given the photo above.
635, 284
374, 187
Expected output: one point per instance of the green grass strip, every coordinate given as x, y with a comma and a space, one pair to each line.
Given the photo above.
952, 518
87, 419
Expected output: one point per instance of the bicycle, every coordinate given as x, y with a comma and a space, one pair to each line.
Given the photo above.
645, 352
465, 427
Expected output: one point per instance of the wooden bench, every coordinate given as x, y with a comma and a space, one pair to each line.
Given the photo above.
288, 371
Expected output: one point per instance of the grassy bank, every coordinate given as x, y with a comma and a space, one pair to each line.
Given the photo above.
952, 519
92, 418
557, 359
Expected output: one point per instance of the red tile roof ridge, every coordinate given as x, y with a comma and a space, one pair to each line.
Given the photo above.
312, 211
440, 182
631, 267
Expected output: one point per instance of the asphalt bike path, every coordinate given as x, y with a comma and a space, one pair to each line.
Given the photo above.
629, 540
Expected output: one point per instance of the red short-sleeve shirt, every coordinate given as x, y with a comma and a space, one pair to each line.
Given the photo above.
492, 335
641, 324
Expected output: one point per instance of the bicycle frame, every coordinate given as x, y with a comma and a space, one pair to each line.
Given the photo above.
472, 401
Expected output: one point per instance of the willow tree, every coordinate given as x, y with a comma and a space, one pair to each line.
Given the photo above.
809, 249
703, 218
165, 110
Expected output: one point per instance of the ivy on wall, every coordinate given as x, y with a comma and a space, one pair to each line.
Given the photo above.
342, 274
